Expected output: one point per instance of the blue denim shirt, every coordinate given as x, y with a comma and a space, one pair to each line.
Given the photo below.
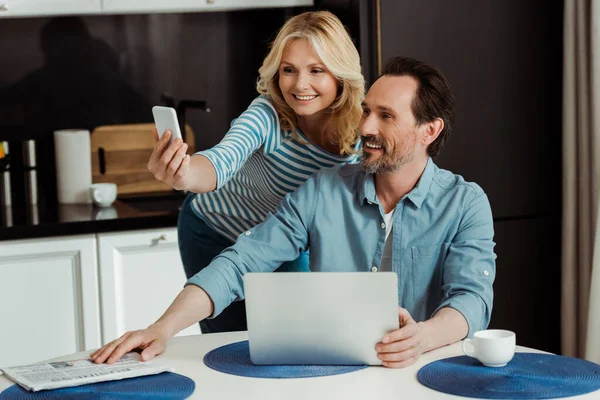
442, 251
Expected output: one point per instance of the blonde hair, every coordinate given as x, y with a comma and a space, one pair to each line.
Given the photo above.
330, 40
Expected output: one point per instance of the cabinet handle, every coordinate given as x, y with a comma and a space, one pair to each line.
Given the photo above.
156, 241
210, 1
3, 7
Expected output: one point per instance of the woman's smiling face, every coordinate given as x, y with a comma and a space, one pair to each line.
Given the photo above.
305, 82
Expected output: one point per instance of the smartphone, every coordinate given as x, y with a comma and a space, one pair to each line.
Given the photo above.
166, 118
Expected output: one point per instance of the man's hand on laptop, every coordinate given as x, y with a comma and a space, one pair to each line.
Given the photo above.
404, 346
152, 341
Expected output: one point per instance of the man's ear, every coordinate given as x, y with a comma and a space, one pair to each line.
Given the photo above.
432, 131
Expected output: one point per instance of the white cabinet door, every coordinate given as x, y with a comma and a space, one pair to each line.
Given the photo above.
140, 275
258, 3
48, 298
36, 8
216, 5
151, 6
162, 6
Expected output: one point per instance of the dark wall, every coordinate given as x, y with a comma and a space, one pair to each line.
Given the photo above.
213, 56
503, 60
83, 72
359, 17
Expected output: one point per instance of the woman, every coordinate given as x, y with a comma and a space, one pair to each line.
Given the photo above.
305, 119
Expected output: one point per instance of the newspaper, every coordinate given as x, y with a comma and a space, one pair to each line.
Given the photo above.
53, 375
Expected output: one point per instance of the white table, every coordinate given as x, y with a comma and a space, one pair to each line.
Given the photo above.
185, 355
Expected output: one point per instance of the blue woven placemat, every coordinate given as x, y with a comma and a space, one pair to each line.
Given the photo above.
165, 386
526, 376
234, 359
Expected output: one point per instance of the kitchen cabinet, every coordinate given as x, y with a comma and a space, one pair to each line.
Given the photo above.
69, 294
140, 275
49, 298
503, 61
160, 6
39, 8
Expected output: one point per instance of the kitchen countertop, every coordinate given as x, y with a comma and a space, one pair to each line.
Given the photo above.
46, 220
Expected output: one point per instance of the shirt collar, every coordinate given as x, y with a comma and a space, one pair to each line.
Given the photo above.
368, 190
416, 196
419, 192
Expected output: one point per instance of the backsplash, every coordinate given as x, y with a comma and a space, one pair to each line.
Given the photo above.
85, 72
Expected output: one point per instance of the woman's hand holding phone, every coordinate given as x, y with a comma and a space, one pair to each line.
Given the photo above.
169, 162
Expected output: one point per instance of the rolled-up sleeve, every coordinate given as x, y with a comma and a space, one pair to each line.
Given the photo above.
246, 135
470, 266
280, 238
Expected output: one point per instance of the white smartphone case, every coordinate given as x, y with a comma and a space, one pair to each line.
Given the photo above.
166, 118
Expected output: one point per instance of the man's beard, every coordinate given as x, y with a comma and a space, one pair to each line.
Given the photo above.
391, 160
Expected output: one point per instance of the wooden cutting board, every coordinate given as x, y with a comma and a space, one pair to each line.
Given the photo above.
120, 154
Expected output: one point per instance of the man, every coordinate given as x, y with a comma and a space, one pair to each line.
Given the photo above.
395, 211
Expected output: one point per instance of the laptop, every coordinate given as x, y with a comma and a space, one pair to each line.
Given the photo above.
319, 318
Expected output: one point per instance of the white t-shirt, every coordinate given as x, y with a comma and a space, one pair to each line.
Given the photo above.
386, 259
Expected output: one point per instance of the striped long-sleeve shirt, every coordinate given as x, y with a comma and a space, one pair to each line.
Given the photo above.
257, 164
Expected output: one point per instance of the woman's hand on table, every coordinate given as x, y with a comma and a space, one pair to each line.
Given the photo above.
404, 346
152, 341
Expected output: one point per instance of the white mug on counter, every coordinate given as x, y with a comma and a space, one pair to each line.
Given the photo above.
103, 194
492, 347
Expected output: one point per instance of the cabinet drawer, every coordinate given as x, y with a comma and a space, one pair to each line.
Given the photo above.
146, 238
41, 8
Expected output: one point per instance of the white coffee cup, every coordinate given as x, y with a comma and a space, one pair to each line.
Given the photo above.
103, 194
492, 347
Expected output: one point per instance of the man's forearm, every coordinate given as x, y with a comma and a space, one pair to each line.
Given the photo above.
445, 327
191, 305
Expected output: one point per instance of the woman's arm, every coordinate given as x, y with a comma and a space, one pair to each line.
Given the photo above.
212, 168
